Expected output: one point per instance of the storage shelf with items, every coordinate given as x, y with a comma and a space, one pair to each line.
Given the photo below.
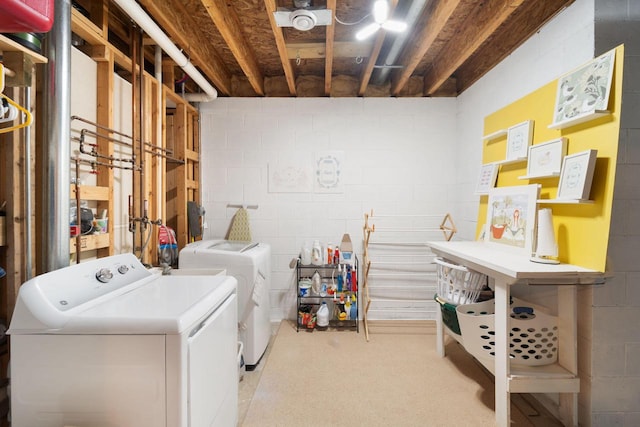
96, 237
327, 295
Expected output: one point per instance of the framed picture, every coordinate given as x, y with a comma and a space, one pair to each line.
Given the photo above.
511, 217
519, 138
584, 90
545, 159
576, 175
487, 178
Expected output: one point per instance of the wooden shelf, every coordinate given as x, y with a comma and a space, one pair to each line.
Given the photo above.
8, 45
564, 202
90, 242
580, 119
522, 379
495, 135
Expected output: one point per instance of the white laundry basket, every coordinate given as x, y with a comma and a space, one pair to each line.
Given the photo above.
533, 337
457, 284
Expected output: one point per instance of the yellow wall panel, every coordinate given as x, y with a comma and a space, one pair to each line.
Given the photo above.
582, 230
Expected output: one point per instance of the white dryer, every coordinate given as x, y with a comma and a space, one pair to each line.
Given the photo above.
108, 343
250, 264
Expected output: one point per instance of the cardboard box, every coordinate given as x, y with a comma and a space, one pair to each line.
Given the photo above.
346, 250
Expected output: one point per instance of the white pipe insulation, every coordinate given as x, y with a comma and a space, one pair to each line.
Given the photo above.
135, 12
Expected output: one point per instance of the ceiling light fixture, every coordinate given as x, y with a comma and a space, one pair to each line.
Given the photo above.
380, 17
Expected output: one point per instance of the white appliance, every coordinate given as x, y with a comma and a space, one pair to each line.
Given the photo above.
250, 263
109, 343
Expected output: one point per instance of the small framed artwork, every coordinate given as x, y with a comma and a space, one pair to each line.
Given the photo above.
487, 178
519, 138
511, 217
576, 175
545, 159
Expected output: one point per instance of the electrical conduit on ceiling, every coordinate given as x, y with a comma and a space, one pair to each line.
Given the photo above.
415, 9
135, 12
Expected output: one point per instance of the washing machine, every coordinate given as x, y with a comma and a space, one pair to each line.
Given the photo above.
110, 343
250, 264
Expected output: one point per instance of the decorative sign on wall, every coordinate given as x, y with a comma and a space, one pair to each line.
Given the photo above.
584, 90
487, 179
519, 138
511, 216
576, 175
328, 172
545, 159
290, 177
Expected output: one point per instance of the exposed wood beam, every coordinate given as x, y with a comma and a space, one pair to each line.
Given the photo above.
319, 51
282, 47
440, 15
373, 56
328, 61
478, 27
226, 21
181, 28
525, 22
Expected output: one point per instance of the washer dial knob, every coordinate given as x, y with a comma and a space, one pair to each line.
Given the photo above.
104, 275
123, 269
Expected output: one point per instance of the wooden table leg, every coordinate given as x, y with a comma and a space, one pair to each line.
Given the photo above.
502, 398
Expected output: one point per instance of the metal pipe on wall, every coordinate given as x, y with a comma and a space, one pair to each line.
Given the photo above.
27, 189
131, 8
54, 252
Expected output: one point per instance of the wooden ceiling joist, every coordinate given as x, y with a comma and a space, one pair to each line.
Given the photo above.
526, 21
179, 26
435, 22
282, 47
328, 60
226, 21
479, 26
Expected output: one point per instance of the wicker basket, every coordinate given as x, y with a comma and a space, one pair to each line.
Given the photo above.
457, 284
533, 337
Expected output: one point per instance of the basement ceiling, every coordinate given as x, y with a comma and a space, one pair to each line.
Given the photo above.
449, 44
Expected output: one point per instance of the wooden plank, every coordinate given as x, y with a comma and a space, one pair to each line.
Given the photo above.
282, 47
8, 45
478, 27
90, 192
180, 122
104, 116
328, 61
226, 21
85, 29
524, 23
181, 28
438, 17
341, 49
90, 242
192, 155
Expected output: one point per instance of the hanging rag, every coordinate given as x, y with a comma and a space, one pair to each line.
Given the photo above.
256, 294
240, 229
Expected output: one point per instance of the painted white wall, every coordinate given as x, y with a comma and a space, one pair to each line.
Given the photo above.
398, 158
83, 104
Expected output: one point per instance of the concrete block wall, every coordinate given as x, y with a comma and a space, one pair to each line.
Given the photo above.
616, 306
398, 158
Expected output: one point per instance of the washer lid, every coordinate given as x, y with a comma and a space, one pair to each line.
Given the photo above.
115, 295
168, 304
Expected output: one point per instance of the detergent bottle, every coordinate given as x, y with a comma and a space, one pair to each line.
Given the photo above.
316, 253
353, 314
323, 316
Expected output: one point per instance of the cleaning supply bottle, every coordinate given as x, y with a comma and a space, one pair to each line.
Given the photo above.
347, 308
353, 314
322, 320
316, 253
340, 279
